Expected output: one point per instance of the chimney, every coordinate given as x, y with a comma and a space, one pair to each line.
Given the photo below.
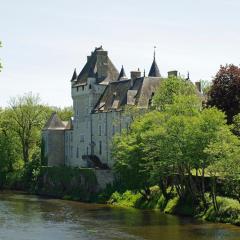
198, 86
135, 74
102, 64
173, 73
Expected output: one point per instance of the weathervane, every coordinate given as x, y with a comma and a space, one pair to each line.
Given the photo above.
154, 52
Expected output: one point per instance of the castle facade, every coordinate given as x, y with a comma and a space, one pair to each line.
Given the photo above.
100, 93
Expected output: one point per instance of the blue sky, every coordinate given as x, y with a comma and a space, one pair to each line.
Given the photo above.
43, 41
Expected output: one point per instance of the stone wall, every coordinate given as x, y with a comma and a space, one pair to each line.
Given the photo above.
55, 146
75, 183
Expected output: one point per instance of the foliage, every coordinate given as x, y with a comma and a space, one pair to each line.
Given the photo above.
127, 199
229, 211
236, 124
20, 140
64, 113
26, 117
166, 146
171, 87
225, 91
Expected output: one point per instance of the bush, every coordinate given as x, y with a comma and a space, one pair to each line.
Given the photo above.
127, 199
229, 211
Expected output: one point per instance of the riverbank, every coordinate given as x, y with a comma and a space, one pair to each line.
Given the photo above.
229, 209
83, 185
36, 218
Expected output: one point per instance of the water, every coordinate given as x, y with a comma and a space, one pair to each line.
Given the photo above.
24, 217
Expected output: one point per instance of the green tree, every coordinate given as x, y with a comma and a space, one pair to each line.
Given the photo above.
171, 87
64, 113
26, 118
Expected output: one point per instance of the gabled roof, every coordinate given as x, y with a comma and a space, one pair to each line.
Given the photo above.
137, 92
98, 66
54, 123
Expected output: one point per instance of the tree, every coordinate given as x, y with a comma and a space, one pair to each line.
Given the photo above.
225, 91
8, 148
26, 118
64, 113
236, 124
171, 87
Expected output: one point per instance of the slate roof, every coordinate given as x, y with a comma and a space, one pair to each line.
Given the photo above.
91, 68
54, 123
122, 74
74, 76
132, 92
154, 70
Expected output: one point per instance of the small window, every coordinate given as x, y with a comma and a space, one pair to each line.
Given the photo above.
81, 138
77, 89
100, 147
82, 88
77, 154
90, 86
71, 151
113, 129
100, 130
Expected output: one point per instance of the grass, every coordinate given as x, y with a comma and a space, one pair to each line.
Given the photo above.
229, 209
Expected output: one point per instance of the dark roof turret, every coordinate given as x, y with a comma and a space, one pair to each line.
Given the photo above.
154, 70
122, 74
74, 76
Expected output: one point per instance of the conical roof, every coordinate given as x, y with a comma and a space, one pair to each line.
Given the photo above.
154, 70
122, 74
74, 76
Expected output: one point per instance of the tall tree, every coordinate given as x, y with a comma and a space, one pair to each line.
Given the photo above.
26, 118
225, 91
169, 89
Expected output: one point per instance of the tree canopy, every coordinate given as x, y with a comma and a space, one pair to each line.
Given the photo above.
180, 140
225, 91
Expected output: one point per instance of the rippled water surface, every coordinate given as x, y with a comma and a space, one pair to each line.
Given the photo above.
24, 217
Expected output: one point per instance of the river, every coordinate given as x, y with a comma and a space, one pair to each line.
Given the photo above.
26, 217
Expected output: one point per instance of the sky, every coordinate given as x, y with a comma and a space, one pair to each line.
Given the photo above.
43, 41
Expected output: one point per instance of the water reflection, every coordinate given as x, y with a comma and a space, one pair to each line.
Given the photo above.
24, 217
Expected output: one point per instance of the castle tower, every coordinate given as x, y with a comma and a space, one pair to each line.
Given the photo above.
154, 70
86, 91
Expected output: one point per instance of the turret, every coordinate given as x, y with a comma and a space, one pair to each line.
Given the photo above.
154, 70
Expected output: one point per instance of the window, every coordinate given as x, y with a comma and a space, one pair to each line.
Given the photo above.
81, 138
77, 153
100, 130
90, 86
113, 129
71, 136
100, 147
82, 88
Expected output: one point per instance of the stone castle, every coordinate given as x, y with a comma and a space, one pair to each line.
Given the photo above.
99, 94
